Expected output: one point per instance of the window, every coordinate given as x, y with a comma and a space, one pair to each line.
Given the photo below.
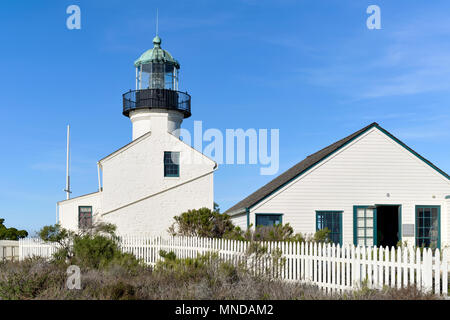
364, 221
268, 220
84, 217
428, 226
331, 220
171, 164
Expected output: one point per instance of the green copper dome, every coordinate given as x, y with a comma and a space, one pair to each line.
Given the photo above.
157, 55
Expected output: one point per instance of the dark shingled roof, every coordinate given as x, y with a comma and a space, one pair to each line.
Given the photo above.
306, 164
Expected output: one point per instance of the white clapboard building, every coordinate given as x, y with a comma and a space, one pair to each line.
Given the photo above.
368, 188
155, 177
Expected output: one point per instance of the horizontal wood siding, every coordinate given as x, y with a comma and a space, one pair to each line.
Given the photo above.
362, 173
240, 220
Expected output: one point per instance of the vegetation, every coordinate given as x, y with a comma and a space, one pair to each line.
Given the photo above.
209, 223
202, 278
11, 233
203, 222
107, 273
91, 248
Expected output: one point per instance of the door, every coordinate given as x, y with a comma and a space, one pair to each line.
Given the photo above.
364, 225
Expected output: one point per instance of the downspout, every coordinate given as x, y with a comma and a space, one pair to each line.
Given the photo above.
99, 179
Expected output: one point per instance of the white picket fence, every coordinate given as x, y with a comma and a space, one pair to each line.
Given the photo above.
330, 267
34, 247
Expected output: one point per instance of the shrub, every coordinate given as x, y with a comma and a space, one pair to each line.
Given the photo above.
322, 236
92, 248
201, 222
11, 233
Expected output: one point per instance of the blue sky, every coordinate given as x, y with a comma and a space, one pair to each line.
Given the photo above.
309, 68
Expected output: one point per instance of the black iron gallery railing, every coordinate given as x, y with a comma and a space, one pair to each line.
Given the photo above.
157, 99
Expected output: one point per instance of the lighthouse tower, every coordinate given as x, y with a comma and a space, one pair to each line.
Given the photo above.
156, 105
155, 177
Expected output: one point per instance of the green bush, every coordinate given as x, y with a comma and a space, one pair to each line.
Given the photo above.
201, 222
92, 248
11, 233
322, 236
94, 251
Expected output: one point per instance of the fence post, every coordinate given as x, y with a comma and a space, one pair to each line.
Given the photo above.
445, 272
418, 269
21, 249
427, 273
383, 267
437, 272
399, 267
357, 267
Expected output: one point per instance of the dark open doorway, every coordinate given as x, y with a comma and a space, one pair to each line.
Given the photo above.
388, 218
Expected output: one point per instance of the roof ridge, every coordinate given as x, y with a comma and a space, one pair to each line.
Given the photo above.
309, 162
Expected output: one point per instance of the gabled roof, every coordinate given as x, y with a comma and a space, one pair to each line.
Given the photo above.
132, 143
310, 162
145, 136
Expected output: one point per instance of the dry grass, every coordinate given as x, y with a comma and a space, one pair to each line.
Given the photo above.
38, 279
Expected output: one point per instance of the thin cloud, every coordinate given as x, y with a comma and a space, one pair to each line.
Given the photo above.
410, 60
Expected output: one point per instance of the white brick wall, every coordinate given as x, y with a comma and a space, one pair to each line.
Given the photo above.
68, 209
137, 197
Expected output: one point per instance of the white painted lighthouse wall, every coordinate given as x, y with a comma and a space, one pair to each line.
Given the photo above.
137, 173
154, 215
68, 209
361, 173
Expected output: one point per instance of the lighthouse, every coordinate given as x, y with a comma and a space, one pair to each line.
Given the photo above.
156, 105
144, 184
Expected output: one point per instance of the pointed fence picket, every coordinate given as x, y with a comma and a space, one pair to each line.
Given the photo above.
331, 267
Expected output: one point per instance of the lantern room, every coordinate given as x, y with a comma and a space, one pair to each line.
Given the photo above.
157, 69
157, 75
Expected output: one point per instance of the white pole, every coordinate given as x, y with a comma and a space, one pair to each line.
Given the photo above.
67, 165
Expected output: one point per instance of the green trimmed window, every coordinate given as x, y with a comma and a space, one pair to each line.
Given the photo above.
171, 164
84, 217
333, 221
268, 220
364, 222
428, 226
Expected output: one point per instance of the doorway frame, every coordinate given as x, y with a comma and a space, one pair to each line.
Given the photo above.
399, 218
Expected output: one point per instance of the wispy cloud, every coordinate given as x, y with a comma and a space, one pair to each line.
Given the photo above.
411, 60
422, 132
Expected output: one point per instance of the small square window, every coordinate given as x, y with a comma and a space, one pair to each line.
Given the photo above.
171, 164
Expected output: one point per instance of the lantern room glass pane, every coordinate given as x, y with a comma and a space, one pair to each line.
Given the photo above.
157, 76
